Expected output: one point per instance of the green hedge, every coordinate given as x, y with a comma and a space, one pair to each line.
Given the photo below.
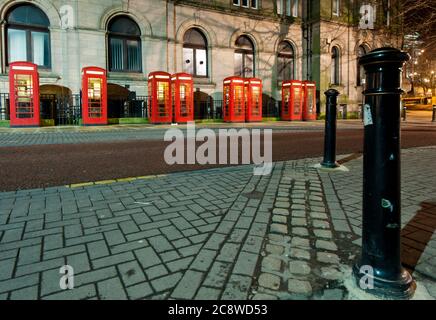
128, 121
4, 123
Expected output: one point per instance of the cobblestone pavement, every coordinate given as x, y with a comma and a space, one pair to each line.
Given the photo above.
68, 135
211, 234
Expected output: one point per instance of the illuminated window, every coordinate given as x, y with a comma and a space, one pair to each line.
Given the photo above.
195, 53
124, 45
244, 57
28, 36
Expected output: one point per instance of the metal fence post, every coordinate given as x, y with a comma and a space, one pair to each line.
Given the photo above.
433, 118
330, 130
381, 259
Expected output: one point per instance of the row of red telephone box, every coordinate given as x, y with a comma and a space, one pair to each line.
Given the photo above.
243, 100
171, 97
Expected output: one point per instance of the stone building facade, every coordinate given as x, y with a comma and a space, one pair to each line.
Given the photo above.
270, 39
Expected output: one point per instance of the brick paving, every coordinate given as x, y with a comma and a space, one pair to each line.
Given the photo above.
210, 234
71, 135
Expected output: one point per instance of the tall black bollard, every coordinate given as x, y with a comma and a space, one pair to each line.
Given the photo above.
433, 118
380, 264
330, 130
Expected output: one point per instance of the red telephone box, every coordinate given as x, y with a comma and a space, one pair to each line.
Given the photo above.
253, 96
292, 100
234, 99
159, 92
182, 88
309, 106
94, 96
24, 94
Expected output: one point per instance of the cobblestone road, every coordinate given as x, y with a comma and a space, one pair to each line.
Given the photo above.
211, 234
70, 135
67, 135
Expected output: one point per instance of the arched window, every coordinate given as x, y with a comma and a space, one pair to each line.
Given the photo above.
28, 36
195, 53
335, 78
285, 62
244, 57
361, 51
124, 45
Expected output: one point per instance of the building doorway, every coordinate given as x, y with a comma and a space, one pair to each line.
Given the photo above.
59, 106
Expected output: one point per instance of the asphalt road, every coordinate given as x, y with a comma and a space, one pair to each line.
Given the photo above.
40, 166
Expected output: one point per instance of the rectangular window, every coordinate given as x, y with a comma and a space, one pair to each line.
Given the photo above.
117, 54
285, 68
388, 13
94, 98
40, 49
253, 4
239, 65
279, 7
17, 45
24, 96
336, 7
200, 63
133, 55
248, 63
188, 60
295, 8
288, 7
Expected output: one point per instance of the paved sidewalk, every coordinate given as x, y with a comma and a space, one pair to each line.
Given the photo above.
211, 234
68, 135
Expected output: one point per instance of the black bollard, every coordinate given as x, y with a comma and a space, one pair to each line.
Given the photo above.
380, 263
330, 130
404, 113
433, 118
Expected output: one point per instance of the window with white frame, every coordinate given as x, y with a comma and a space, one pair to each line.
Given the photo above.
195, 53
336, 7
28, 35
124, 44
244, 57
253, 4
289, 8
285, 62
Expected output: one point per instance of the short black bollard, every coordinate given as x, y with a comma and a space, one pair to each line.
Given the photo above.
330, 130
404, 113
379, 270
433, 118
344, 111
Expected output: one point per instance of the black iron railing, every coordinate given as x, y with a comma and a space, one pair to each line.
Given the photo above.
271, 108
67, 110
4, 106
128, 108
